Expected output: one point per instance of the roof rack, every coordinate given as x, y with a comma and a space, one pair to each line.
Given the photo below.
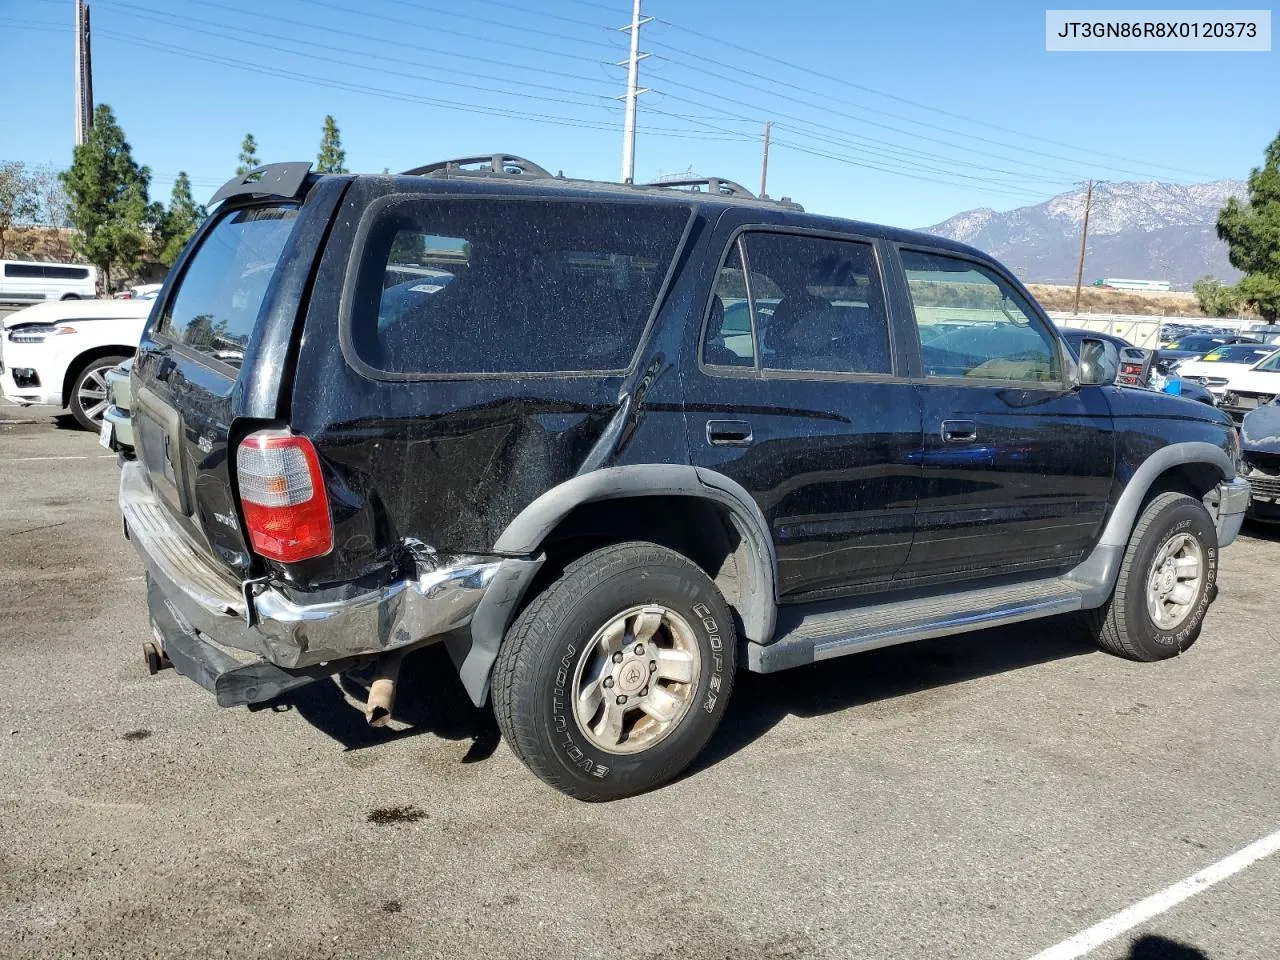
509, 166
492, 165
714, 185
719, 186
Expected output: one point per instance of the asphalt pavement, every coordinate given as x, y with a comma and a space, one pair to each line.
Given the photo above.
984, 796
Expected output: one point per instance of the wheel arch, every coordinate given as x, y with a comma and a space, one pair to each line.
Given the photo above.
1193, 467
746, 574
82, 360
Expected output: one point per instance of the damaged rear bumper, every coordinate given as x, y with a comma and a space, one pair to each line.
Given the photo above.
248, 642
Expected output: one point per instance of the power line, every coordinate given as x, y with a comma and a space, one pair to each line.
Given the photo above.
909, 133
603, 101
991, 186
470, 17
904, 100
460, 106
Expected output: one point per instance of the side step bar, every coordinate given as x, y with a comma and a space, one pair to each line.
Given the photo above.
813, 632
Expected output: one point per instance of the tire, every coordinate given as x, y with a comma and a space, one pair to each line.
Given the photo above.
84, 403
71, 296
1126, 625
564, 642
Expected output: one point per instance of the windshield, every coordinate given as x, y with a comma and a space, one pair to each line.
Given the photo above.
1197, 343
1271, 364
1237, 353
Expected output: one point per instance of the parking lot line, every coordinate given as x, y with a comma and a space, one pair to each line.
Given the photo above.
1158, 903
100, 456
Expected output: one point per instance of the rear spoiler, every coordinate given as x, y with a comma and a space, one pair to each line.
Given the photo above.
281, 180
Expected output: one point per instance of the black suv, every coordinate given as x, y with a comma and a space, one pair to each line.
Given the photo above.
611, 443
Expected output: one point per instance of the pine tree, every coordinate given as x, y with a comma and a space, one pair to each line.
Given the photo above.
180, 220
332, 157
108, 198
1252, 233
248, 155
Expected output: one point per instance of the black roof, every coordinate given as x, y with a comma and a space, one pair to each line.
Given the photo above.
509, 175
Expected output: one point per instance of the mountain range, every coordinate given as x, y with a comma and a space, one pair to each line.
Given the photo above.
1137, 229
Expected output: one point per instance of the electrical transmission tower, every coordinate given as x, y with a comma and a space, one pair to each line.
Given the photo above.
632, 64
84, 74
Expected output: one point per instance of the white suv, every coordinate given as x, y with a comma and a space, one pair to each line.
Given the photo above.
57, 353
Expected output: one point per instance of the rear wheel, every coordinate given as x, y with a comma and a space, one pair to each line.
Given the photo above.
1166, 583
89, 391
615, 677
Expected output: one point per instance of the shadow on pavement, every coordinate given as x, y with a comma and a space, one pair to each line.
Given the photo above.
1154, 947
759, 702
429, 699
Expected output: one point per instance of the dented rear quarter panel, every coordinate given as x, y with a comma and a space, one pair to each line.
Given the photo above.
451, 462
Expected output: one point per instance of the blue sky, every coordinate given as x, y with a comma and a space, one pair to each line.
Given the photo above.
900, 113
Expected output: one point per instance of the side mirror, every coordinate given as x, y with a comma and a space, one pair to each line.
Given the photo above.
1099, 362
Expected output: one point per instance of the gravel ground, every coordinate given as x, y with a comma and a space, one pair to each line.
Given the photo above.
980, 796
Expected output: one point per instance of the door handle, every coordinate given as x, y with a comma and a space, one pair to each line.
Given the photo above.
959, 431
728, 433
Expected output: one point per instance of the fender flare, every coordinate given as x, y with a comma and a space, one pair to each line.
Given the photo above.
521, 543
1097, 573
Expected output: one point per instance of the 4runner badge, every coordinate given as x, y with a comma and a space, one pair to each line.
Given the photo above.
205, 444
227, 520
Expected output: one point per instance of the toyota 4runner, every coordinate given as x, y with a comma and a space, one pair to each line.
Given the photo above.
611, 443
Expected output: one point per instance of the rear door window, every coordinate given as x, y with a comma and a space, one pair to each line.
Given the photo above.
817, 305
455, 287
220, 296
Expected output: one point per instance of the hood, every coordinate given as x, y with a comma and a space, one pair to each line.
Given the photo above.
1254, 381
1211, 368
1140, 402
1260, 429
67, 311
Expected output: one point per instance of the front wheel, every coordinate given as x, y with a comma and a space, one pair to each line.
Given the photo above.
1166, 583
617, 674
89, 392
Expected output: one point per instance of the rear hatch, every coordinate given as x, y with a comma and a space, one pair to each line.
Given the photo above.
216, 356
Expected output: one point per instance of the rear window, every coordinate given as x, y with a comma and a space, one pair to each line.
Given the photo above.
222, 289
455, 287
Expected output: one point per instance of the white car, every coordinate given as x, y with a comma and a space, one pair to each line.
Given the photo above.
1217, 367
1253, 388
58, 353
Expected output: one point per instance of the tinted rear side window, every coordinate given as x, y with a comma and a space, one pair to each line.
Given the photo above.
222, 289
25, 270
66, 273
507, 286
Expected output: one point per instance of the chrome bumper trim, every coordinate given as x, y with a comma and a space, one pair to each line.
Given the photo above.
1232, 498
290, 634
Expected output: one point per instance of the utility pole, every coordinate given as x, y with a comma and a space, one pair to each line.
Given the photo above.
1084, 236
764, 164
632, 64
84, 74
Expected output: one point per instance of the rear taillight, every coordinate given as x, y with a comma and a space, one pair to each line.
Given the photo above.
286, 510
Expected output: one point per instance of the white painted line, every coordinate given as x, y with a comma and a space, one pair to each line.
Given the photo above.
1158, 903
99, 456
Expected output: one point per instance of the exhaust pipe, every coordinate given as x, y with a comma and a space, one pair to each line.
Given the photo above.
154, 656
382, 692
